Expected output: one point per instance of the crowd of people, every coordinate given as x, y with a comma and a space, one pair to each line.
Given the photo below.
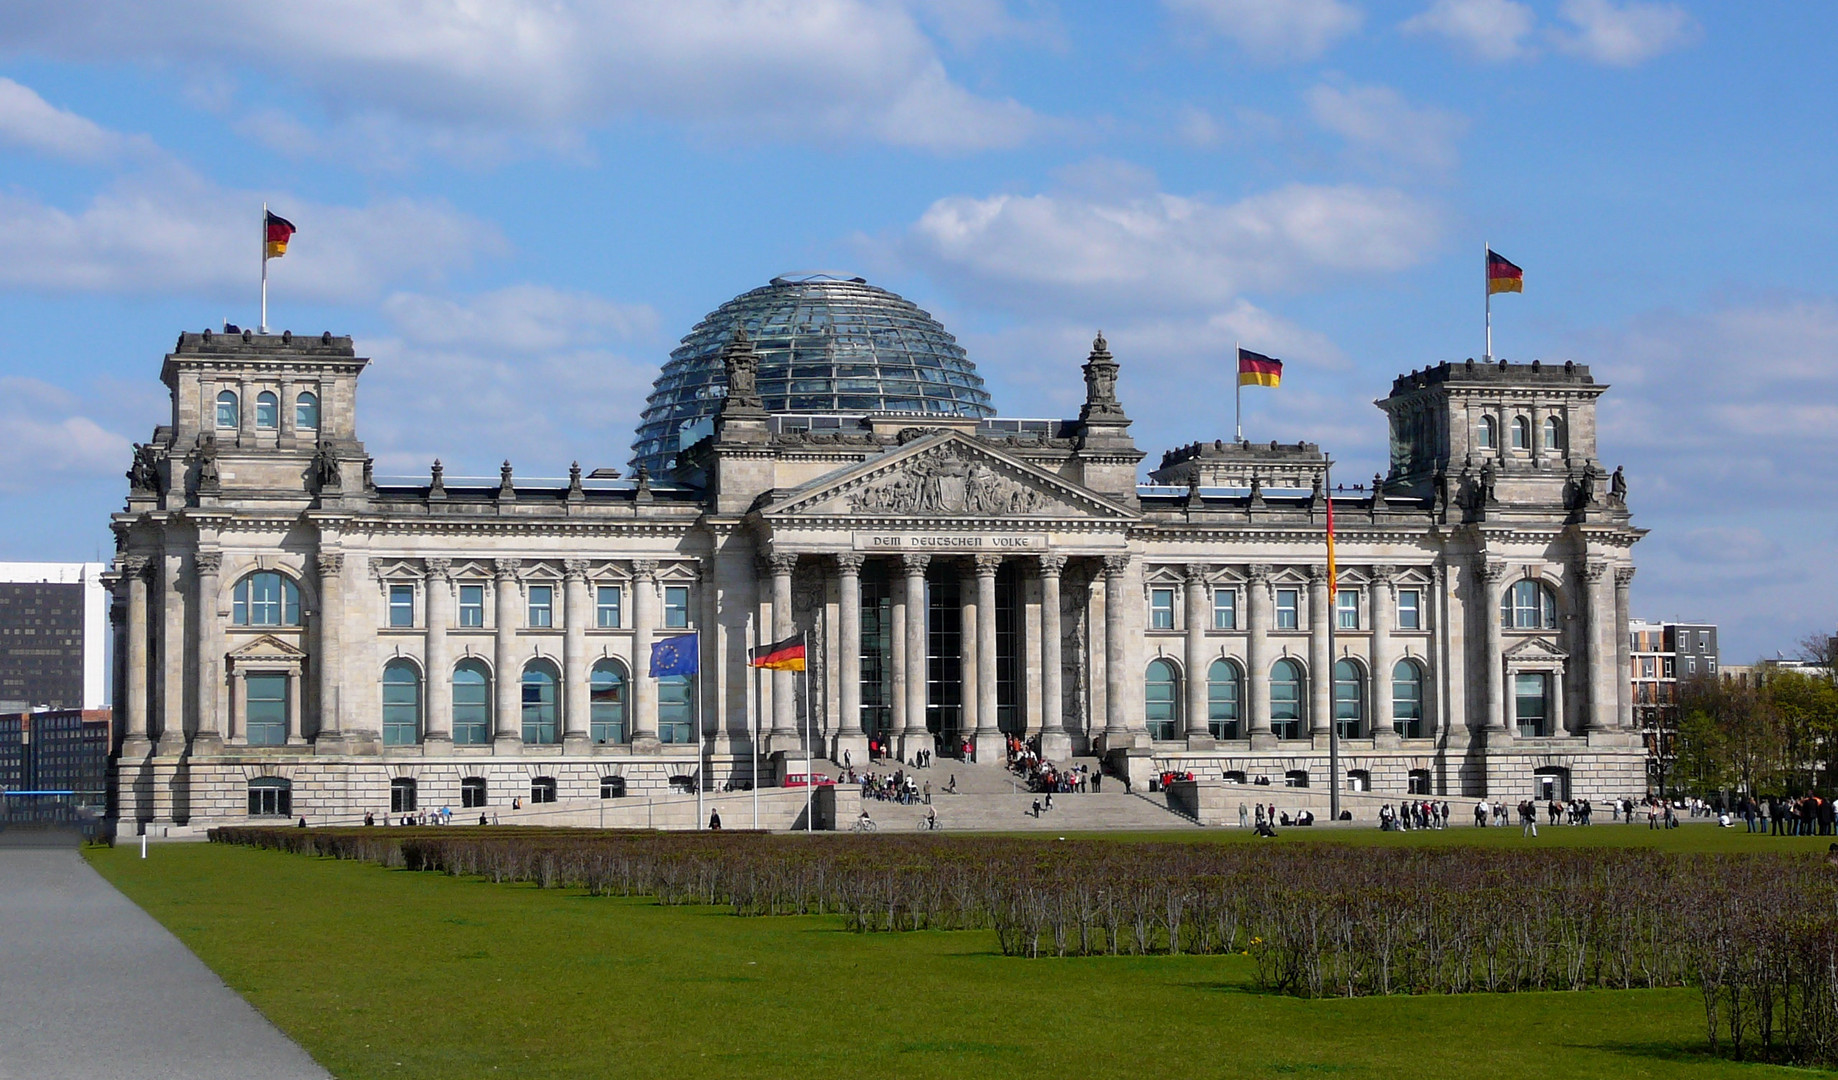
898, 786
1408, 815
1800, 815
1045, 778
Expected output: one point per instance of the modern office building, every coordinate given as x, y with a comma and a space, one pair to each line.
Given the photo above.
53, 636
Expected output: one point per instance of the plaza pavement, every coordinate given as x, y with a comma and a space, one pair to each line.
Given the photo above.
91, 988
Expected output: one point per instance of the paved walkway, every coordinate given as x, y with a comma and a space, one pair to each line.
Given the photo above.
91, 988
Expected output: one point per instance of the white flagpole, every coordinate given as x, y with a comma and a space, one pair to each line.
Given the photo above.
809, 825
753, 746
1237, 395
264, 321
701, 736
1487, 287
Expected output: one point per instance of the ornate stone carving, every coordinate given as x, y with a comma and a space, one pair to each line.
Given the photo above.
144, 471
140, 566
507, 491
1259, 573
1592, 572
1051, 565
644, 569
782, 562
208, 562
916, 564
506, 569
1490, 570
575, 569
1196, 572
987, 565
1382, 573
437, 483
210, 481
946, 481
440, 569
850, 562
741, 365
1317, 572
1624, 576
329, 563
1100, 382
1617, 487
1116, 564
575, 494
325, 468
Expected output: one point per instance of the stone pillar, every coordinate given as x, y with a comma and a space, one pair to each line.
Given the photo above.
644, 687
134, 705
245, 414
1199, 735
577, 612
1604, 701
896, 667
1055, 744
1257, 656
1116, 653
991, 745
1320, 660
507, 708
208, 735
171, 660
848, 654
437, 700
784, 683
329, 658
1488, 575
1557, 703
1624, 690
917, 735
1382, 606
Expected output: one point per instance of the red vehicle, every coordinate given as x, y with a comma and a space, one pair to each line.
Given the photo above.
797, 780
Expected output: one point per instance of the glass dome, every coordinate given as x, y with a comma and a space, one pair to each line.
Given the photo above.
826, 344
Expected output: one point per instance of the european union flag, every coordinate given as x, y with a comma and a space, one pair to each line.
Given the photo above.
674, 656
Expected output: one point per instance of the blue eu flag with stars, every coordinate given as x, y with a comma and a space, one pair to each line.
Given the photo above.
674, 656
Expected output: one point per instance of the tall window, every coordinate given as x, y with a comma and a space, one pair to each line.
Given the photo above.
1161, 609
1162, 699
1553, 433
1346, 609
401, 704
542, 606
267, 410
1522, 433
539, 707
1288, 609
606, 607
472, 606
1410, 609
1528, 605
402, 795
265, 721
676, 607
472, 792
1286, 712
401, 605
1225, 609
265, 598
606, 696
1529, 703
1486, 437
227, 412
271, 796
306, 411
1349, 698
1407, 699
471, 703
675, 704
1224, 693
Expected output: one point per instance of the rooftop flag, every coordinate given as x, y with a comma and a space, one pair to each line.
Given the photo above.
1502, 275
787, 655
1256, 369
276, 231
674, 656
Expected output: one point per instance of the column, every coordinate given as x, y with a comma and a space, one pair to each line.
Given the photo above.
1604, 702
1557, 703
1199, 735
896, 667
329, 657
438, 674
1257, 656
171, 659
1055, 744
577, 612
1624, 691
848, 652
1487, 578
1116, 653
206, 566
136, 568
784, 683
1320, 659
918, 669
245, 414
507, 711
644, 687
966, 654
1383, 603
990, 742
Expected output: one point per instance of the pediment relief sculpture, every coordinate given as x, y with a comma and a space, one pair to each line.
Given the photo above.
947, 481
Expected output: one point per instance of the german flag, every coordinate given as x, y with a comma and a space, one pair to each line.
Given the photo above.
1503, 276
276, 231
787, 655
1256, 369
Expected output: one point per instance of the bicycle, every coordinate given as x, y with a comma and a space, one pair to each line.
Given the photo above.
931, 825
864, 825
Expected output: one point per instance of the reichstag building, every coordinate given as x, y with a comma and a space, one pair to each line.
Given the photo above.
296, 635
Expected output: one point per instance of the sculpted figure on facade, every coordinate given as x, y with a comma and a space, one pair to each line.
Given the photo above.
144, 473
946, 482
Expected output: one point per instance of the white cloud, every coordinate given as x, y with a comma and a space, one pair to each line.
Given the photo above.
831, 69
1487, 29
1274, 29
48, 440
32, 123
966, 24
1379, 125
1624, 34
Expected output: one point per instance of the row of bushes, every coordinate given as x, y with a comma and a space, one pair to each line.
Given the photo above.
1756, 933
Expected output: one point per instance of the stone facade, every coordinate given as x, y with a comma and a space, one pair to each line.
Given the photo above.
286, 621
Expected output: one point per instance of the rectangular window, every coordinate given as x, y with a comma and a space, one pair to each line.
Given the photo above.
1161, 609
1529, 704
1225, 609
1646, 668
1410, 609
265, 720
1346, 609
542, 606
1288, 613
1691, 665
676, 607
606, 607
1703, 640
401, 605
1710, 664
1667, 670
472, 605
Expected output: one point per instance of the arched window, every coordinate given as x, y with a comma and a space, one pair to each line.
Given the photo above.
542, 789
267, 410
472, 792
1407, 699
1224, 695
1528, 605
265, 598
471, 703
606, 696
401, 704
539, 708
271, 796
1553, 433
675, 701
1161, 693
402, 795
1485, 436
306, 411
1349, 698
1286, 712
1522, 433
227, 412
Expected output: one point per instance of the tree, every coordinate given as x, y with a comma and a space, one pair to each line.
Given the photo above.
1729, 735
1806, 704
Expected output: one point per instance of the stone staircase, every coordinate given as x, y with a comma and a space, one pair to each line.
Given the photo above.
991, 799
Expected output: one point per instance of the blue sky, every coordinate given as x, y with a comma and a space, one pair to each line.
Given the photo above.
518, 207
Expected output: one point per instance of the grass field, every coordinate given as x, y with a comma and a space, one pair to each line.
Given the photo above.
386, 973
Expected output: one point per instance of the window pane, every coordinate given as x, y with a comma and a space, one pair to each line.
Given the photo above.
1222, 698
1286, 699
402, 605
1287, 617
539, 711
1161, 693
676, 607
606, 607
542, 605
226, 409
607, 703
1410, 615
1225, 609
1348, 703
267, 410
1407, 700
472, 605
1529, 703
306, 411
265, 722
674, 696
1161, 609
1346, 602
401, 704
471, 704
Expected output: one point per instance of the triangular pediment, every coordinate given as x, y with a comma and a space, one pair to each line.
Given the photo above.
266, 647
1535, 648
947, 475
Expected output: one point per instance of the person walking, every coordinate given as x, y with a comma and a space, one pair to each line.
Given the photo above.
1244, 816
1528, 819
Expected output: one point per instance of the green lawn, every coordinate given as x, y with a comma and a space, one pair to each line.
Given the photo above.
386, 973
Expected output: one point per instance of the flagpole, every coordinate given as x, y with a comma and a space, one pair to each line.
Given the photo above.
1237, 394
701, 737
809, 825
1487, 288
264, 320
753, 744
1333, 616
